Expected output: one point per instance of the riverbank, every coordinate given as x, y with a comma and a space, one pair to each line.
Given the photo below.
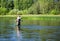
30, 15
35, 17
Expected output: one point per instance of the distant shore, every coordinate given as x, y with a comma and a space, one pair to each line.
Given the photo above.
30, 15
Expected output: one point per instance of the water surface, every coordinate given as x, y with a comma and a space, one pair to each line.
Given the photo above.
30, 30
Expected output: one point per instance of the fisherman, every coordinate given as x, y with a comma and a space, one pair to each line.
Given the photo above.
19, 22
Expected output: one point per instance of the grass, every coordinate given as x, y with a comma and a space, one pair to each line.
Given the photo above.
35, 17
30, 15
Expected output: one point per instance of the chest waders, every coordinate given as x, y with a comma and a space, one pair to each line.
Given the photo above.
19, 24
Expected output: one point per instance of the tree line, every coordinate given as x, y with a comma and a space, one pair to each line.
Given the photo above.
13, 7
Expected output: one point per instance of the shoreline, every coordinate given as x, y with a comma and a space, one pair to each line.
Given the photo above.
30, 15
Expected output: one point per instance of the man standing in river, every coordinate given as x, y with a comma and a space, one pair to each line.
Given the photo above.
19, 22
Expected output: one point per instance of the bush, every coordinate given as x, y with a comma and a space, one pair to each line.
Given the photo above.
55, 12
23, 12
3, 11
13, 12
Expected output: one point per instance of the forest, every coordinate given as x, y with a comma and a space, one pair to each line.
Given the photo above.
26, 7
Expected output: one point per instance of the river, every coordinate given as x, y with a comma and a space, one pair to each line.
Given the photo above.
30, 31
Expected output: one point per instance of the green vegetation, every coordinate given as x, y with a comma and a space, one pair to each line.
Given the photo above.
13, 7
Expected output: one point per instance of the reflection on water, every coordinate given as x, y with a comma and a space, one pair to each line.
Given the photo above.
33, 32
41, 33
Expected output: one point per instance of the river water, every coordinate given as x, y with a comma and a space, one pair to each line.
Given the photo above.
30, 32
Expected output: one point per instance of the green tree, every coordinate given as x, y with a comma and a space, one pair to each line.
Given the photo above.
16, 4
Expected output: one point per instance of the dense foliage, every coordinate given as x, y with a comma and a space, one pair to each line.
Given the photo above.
14, 7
